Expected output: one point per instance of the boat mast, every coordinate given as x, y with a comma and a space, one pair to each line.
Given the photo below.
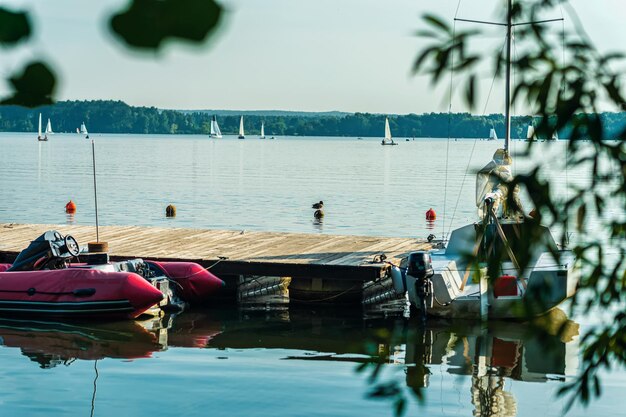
507, 114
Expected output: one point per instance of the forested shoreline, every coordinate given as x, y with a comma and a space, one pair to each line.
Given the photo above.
107, 116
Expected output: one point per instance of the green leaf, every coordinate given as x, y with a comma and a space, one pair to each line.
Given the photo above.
14, 26
34, 87
148, 23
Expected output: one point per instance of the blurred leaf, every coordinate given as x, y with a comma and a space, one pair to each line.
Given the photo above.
34, 87
148, 23
14, 26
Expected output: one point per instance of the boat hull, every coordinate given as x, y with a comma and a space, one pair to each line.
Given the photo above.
195, 283
546, 289
76, 294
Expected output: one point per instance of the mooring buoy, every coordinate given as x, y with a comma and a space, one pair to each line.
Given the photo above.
170, 211
70, 207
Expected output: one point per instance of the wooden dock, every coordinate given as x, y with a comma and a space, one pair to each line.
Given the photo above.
231, 254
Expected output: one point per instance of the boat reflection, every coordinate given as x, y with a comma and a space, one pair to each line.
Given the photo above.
53, 343
537, 352
490, 355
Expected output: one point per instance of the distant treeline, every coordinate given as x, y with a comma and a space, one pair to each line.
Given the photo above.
118, 117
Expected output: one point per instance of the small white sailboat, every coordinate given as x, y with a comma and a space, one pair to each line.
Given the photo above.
241, 133
215, 129
83, 130
49, 128
555, 136
530, 134
492, 134
262, 131
42, 137
387, 140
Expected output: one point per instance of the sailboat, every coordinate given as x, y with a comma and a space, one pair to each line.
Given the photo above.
83, 130
215, 129
387, 140
453, 282
49, 128
530, 134
241, 133
492, 134
41, 137
262, 131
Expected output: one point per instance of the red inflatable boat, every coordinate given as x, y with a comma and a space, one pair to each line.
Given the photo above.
42, 282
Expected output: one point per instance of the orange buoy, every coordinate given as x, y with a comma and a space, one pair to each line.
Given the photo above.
430, 214
70, 207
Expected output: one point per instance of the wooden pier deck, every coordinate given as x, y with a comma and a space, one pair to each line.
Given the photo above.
234, 253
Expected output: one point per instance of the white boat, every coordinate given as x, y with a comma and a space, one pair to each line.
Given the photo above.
555, 136
492, 134
215, 129
262, 131
83, 130
49, 128
42, 137
453, 282
241, 133
387, 140
530, 134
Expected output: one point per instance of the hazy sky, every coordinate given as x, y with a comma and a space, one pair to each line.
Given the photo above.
311, 55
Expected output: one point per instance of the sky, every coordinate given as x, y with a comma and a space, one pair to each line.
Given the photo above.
300, 55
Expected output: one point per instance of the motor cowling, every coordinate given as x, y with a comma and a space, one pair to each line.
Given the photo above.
421, 270
420, 265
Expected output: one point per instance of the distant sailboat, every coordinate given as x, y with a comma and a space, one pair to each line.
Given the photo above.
49, 128
215, 129
555, 136
262, 131
492, 134
387, 140
241, 134
83, 130
530, 134
41, 137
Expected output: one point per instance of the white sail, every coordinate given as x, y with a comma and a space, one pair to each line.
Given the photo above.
492, 134
387, 140
83, 129
530, 133
39, 130
49, 128
262, 130
555, 136
387, 131
215, 129
241, 132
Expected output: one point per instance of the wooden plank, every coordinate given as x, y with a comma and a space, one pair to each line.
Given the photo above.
253, 252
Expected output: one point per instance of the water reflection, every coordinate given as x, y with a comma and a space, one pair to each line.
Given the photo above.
490, 356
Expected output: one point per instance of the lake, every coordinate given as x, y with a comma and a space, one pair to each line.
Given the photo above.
226, 362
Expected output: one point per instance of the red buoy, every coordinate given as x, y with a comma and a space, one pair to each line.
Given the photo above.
430, 214
70, 207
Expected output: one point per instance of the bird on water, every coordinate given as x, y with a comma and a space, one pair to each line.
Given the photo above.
318, 206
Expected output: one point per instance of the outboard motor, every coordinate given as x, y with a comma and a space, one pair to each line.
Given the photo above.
421, 269
48, 251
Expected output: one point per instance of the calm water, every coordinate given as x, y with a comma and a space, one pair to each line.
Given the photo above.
226, 363
253, 184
